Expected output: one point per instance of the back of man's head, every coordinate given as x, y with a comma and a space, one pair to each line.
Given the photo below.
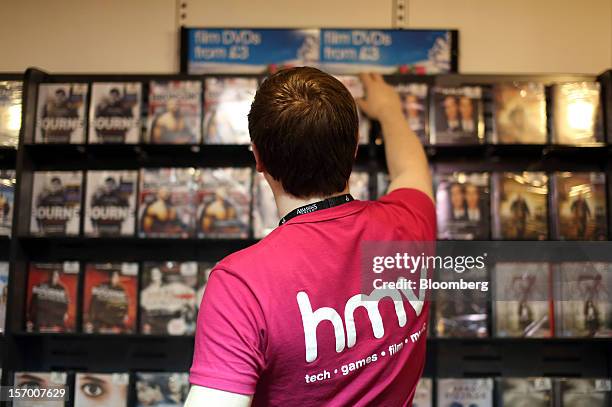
304, 125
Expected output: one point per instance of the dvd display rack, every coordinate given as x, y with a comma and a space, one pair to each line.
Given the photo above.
447, 357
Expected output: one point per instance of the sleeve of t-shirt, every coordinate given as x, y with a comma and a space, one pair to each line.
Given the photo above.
411, 211
229, 342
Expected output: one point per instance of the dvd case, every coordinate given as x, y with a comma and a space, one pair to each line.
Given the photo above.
227, 102
265, 214
109, 298
166, 202
462, 206
423, 393
355, 87
7, 195
204, 270
175, 112
56, 203
576, 112
161, 389
523, 305
457, 115
579, 206
60, 116
223, 202
526, 391
520, 206
359, 185
465, 392
583, 295
101, 389
520, 113
40, 380
11, 93
414, 98
585, 392
4, 276
114, 114
110, 205
168, 298
52, 297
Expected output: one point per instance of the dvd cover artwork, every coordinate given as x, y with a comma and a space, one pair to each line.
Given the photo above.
60, 117
10, 112
576, 111
520, 207
520, 113
523, 300
161, 389
359, 185
166, 202
168, 298
7, 195
56, 203
457, 116
462, 206
110, 298
585, 392
175, 112
465, 392
204, 270
101, 389
355, 87
4, 276
223, 202
227, 102
110, 207
40, 380
579, 206
423, 393
584, 299
415, 108
114, 114
523, 392
265, 214
52, 297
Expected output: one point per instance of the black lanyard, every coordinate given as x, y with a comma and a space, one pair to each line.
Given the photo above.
317, 206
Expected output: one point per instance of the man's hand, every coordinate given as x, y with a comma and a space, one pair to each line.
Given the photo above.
380, 100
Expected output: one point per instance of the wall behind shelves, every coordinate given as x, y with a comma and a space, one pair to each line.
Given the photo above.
142, 35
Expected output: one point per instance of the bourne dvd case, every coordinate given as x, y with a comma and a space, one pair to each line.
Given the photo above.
462, 206
52, 297
175, 112
414, 98
7, 196
223, 202
4, 276
265, 214
168, 298
161, 389
457, 115
40, 380
166, 202
60, 116
583, 299
520, 113
520, 206
579, 206
114, 114
577, 113
110, 295
359, 185
423, 393
593, 392
355, 87
56, 203
101, 389
523, 305
110, 204
525, 391
11, 93
204, 270
465, 392
227, 102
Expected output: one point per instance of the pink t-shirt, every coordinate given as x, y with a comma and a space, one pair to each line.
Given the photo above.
275, 320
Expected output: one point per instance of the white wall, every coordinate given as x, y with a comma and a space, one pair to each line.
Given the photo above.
141, 35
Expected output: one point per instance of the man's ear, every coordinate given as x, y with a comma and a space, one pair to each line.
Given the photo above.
258, 164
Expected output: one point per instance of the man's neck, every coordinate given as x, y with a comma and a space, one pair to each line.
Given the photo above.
286, 203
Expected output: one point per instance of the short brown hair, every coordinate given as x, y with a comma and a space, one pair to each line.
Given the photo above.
304, 125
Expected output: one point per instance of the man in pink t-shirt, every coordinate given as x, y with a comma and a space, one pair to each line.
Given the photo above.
282, 323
